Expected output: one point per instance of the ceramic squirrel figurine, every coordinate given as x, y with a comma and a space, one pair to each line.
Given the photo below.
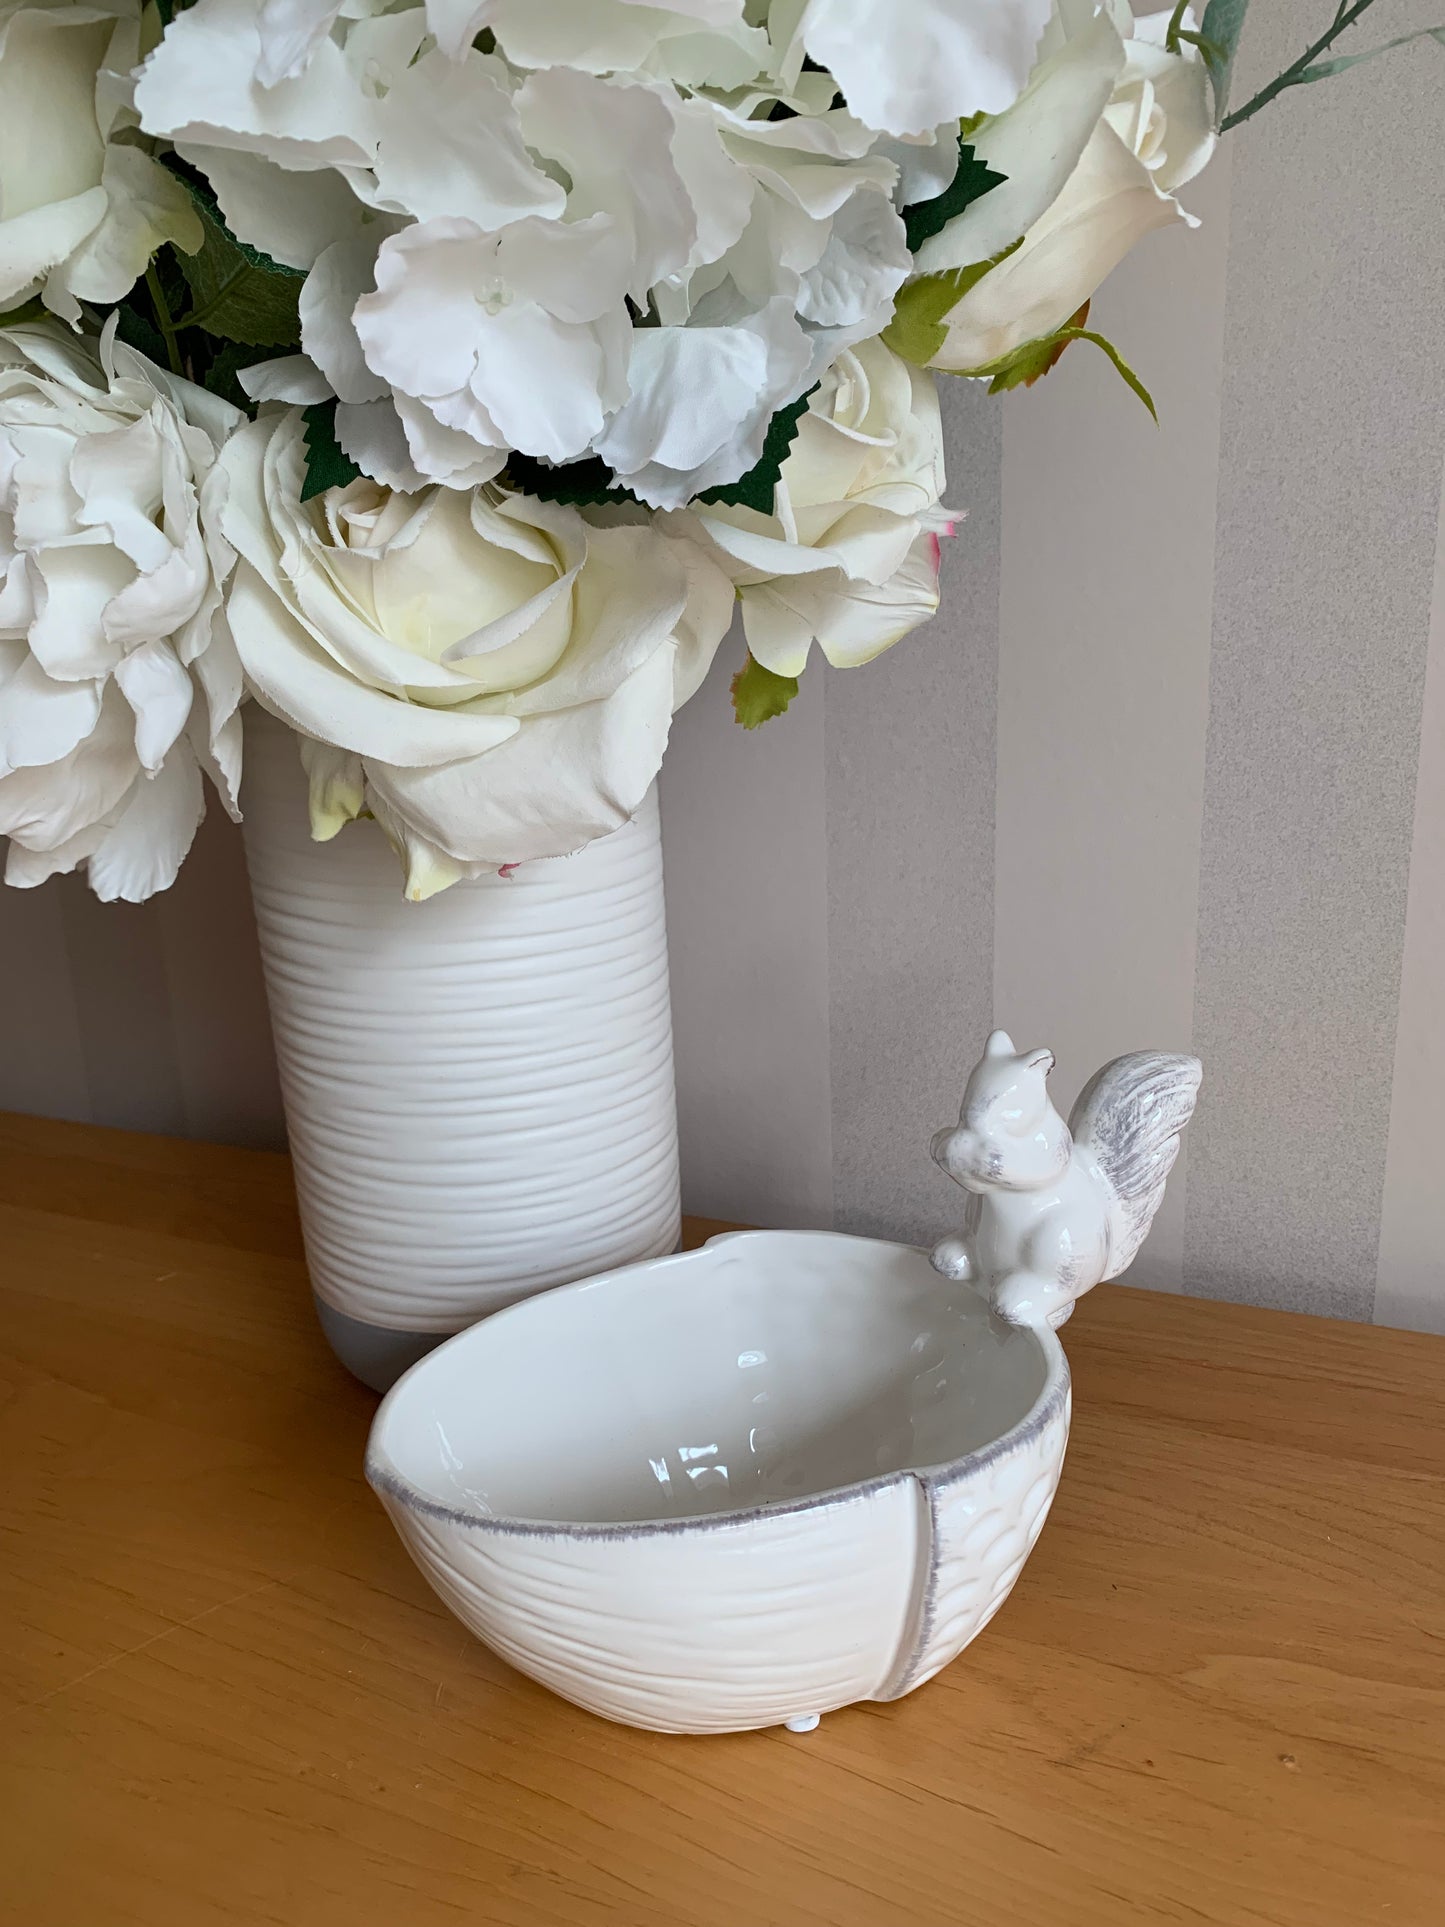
1054, 1207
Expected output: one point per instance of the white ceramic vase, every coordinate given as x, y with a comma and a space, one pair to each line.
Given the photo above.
479, 1088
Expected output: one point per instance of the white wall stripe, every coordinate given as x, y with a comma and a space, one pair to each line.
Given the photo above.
1108, 567
910, 786
1410, 1282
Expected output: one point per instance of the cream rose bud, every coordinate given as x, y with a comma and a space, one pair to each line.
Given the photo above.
849, 556
490, 676
1109, 124
81, 213
118, 681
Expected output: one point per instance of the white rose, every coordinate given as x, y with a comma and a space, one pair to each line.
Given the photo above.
490, 676
118, 681
849, 556
80, 215
1107, 127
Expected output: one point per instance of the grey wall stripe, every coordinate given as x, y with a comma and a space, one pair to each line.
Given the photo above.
743, 839
910, 782
42, 1062
1410, 1288
217, 1000
122, 1000
1329, 475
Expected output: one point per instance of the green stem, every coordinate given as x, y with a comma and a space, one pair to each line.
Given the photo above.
163, 320
1344, 17
198, 317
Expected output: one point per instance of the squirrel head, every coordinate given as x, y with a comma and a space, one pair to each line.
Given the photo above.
1009, 1137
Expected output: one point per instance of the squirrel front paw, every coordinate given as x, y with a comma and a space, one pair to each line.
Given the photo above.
1026, 1298
952, 1257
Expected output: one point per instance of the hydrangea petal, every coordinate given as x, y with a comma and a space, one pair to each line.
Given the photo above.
371, 433
290, 32
449, 143
342, 274
865, 263
954, 58
291, 217
615, 141
199, 85
788, 360
619, 36
690, 388
290, 378
455, 24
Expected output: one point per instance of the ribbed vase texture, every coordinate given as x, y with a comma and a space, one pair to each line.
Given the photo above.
479, 1088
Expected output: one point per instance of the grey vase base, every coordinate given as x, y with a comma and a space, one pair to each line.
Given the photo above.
373, 1353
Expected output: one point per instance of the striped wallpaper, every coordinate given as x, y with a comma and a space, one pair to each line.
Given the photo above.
1169, 770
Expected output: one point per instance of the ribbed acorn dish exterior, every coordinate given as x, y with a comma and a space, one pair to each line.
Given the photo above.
737, 1488
479, 1088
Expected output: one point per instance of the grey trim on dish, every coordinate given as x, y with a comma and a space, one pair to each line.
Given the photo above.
387, 1482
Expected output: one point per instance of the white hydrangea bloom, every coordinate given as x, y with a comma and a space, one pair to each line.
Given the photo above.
903, 70
119, 683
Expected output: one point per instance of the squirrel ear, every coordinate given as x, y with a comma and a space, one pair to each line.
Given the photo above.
1039, 1060
1000, 1044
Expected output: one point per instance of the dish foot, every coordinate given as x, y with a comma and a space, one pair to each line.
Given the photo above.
804, 1723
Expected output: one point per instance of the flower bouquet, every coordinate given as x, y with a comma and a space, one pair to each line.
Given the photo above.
440, 378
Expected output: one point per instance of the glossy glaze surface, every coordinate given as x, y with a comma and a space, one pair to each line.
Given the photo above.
1055, 1208
734, 1488
766, 1369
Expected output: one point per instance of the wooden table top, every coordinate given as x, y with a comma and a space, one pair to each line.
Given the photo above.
1217, 1694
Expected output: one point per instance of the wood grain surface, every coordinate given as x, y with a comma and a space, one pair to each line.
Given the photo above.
1217, 1695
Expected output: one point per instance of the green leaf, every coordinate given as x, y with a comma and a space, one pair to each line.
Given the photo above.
585, 484
138, 331
237, 292
327, 463
1326, 69
974, 178
1027, 363
919, 325
755, 489
220, 371
31, 310
759, 695
1221, 27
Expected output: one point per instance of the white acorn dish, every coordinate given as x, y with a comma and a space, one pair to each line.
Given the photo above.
736, 1488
